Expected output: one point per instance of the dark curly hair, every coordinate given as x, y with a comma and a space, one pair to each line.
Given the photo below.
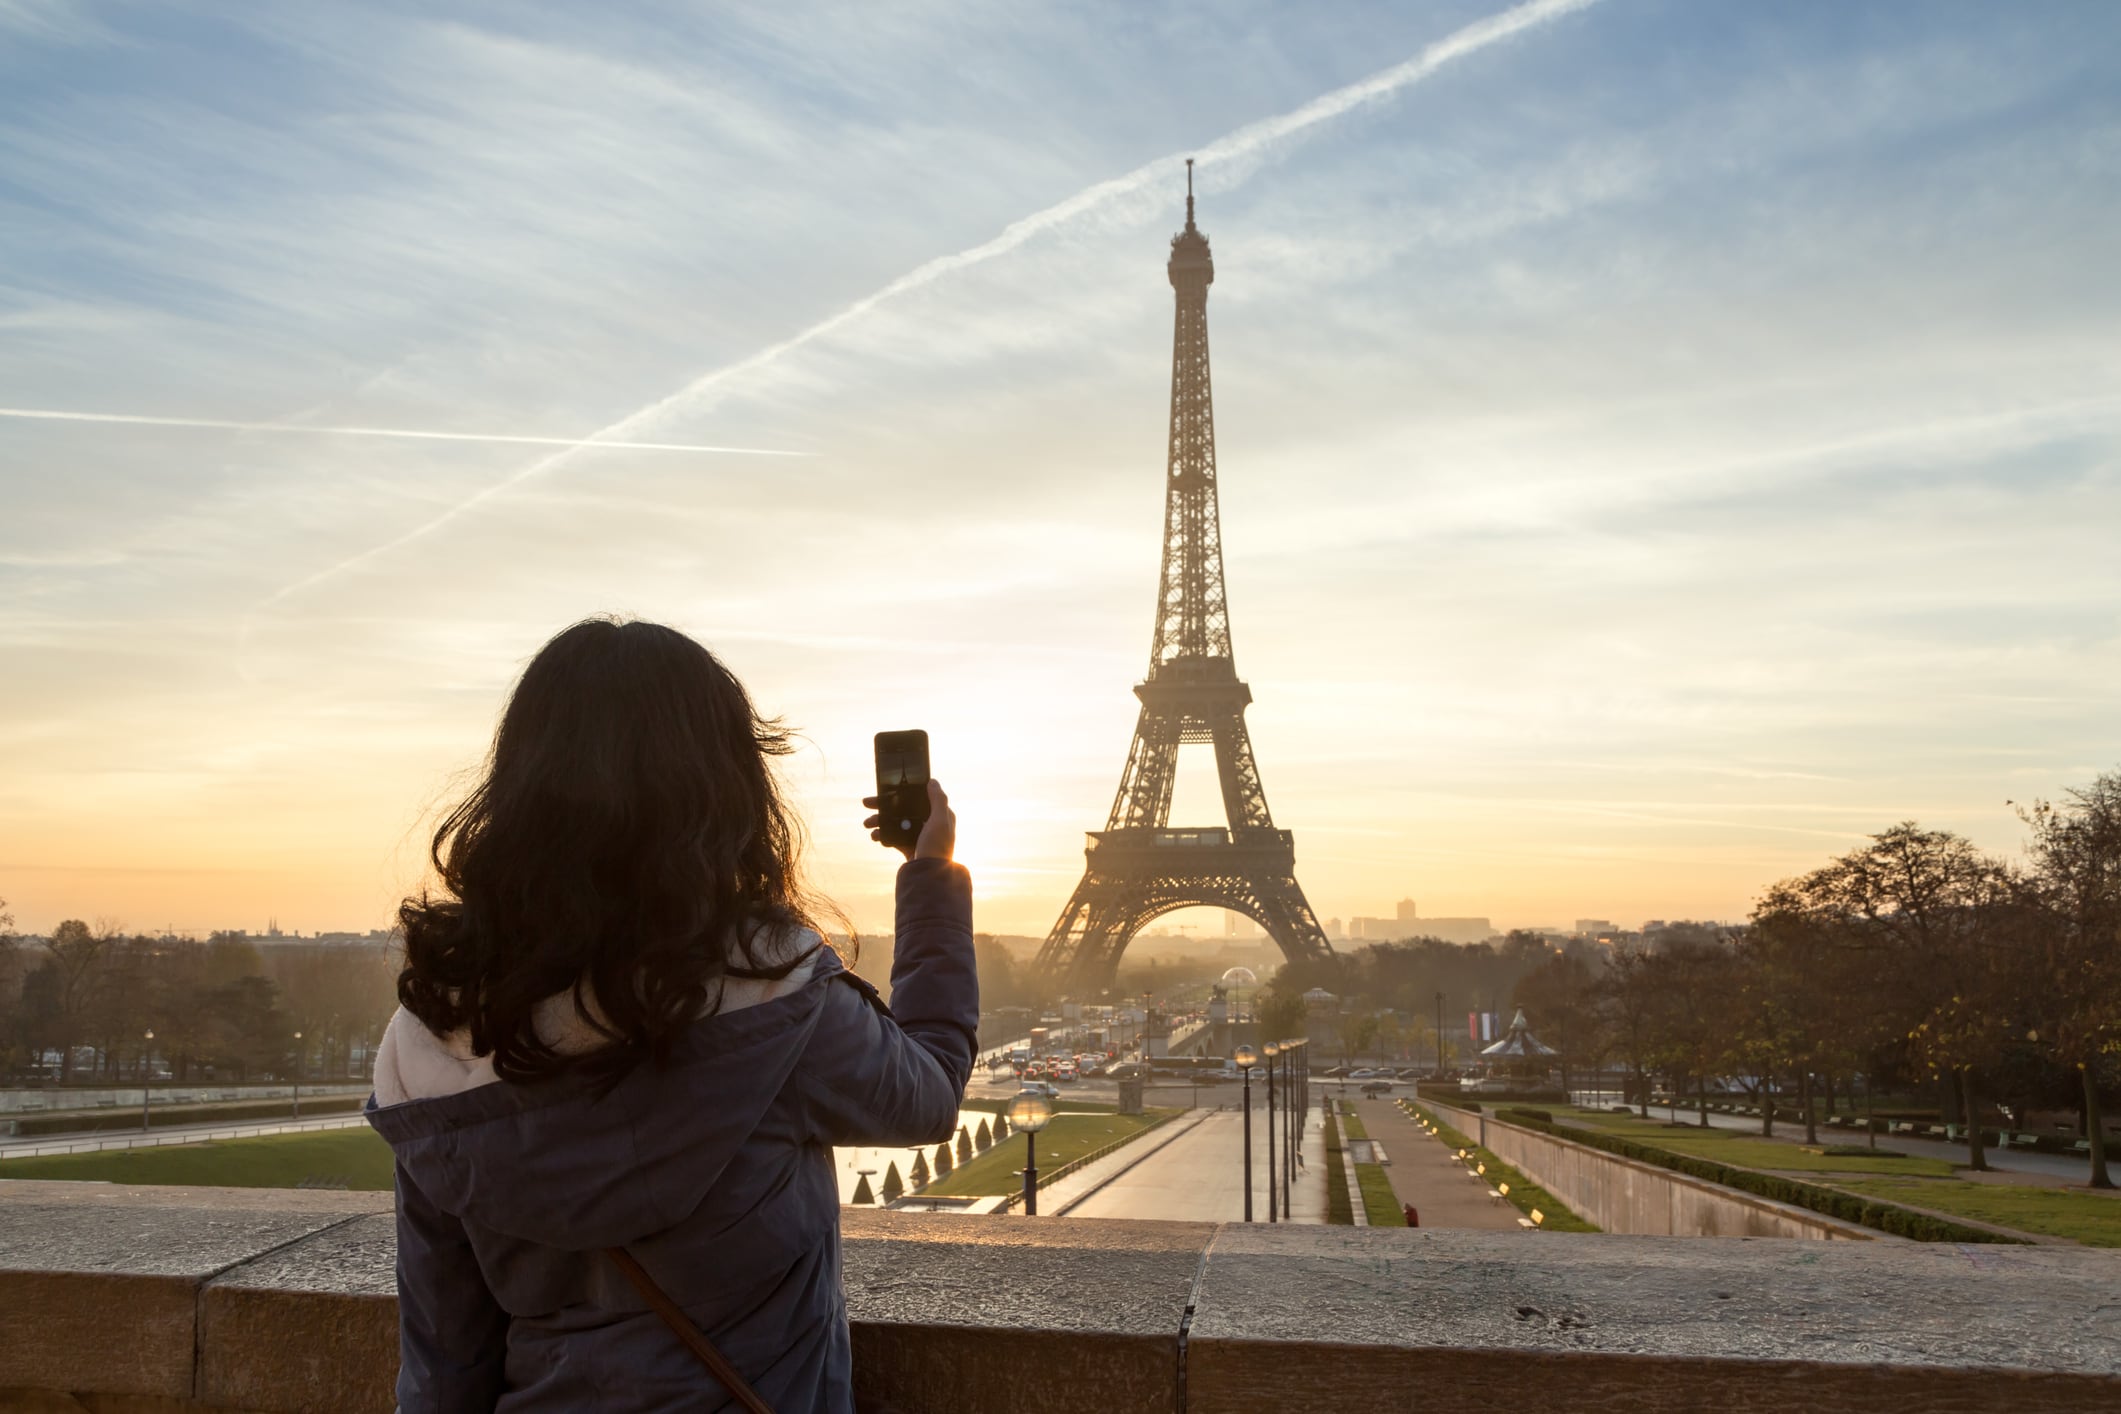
626, 842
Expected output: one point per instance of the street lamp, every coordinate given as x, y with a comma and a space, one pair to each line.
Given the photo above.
1273, 1188
1029, 1112
1289, 1125
144, 1066
1246, 1058
298, 1075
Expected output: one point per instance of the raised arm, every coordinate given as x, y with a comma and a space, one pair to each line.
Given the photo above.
897, 1076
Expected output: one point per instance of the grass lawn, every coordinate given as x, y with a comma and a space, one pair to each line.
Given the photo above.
359, 1156
1731, 1146
1338, 1211
1379, 1203
1378, 1200
1069, 1135
1062, 1106
2091, 1218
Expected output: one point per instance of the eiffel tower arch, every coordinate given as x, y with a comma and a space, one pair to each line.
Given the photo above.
1140, 867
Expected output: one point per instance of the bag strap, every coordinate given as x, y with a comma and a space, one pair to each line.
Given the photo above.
681, 1325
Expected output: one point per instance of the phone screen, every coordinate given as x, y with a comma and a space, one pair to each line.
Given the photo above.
901, 759
901, 787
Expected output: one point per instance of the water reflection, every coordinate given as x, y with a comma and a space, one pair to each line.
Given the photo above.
848, 1163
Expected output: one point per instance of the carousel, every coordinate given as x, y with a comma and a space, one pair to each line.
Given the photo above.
1519, 1057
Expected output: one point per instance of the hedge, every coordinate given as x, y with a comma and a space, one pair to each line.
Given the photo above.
1848, 1207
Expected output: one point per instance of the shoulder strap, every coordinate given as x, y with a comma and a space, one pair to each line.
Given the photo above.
680, 1325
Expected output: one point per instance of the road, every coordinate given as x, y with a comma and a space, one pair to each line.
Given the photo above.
1199, 1176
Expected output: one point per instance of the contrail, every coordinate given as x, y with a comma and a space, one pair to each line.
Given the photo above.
1251, 138
220, 424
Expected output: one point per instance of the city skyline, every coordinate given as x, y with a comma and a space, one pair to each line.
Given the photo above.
1659, 447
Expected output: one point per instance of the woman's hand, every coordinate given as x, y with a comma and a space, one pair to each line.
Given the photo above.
938, 835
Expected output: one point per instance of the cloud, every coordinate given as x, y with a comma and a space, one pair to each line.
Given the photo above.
1237, 147
580, 444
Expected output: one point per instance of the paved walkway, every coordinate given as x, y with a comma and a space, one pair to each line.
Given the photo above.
1425, 1173
1056, 1199
1199, 1175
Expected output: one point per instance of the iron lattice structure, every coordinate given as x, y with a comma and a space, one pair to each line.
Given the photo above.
1139, 867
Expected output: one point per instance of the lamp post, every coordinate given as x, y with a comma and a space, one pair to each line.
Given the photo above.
1029, 1112
1246, 1058
298, 1075
1289, 1125
1273, 1188
150, 1038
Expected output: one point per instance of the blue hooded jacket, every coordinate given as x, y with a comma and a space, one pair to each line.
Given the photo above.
715, 1171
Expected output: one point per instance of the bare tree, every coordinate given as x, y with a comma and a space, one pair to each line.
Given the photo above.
1628, 997
2075, 998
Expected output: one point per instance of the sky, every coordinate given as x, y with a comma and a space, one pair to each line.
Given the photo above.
1661, 442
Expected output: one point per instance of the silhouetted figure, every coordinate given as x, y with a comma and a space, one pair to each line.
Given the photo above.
626, 1051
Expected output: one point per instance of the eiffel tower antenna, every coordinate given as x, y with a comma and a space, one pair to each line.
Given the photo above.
1139, 867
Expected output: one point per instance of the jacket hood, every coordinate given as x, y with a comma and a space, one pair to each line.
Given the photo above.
556, 1164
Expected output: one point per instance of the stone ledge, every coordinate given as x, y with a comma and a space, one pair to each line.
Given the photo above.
140, 1301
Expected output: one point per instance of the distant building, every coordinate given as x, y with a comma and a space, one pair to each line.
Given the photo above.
1410, 924
1592, 927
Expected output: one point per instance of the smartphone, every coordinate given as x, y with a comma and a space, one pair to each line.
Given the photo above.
901, 788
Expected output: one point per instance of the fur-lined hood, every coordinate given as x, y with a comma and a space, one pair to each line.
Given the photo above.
559, 1164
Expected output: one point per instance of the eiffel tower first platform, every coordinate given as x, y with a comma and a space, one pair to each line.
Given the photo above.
1139, 866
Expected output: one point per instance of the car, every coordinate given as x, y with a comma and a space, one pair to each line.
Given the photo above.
1040, 1087
1376, 1087
1364, 1074
1065, 1072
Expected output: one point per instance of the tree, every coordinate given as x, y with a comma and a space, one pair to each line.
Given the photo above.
1691, 985
1560, 999
919, 1172
75, 954
2075, 887
943, 1162
894, 1186
964, 1144
1938, 919
984, 1139
1628, 998
863, 1194
1279, 1007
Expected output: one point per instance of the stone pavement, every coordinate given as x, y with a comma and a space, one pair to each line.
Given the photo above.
1199, 1175
1424, 1173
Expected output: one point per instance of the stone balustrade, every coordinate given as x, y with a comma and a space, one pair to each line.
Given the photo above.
146, 1301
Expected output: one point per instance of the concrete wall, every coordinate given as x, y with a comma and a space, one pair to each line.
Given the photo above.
1624, 1195
151, 1301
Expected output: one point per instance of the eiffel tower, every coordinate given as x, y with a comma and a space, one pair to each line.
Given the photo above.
1139, 868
